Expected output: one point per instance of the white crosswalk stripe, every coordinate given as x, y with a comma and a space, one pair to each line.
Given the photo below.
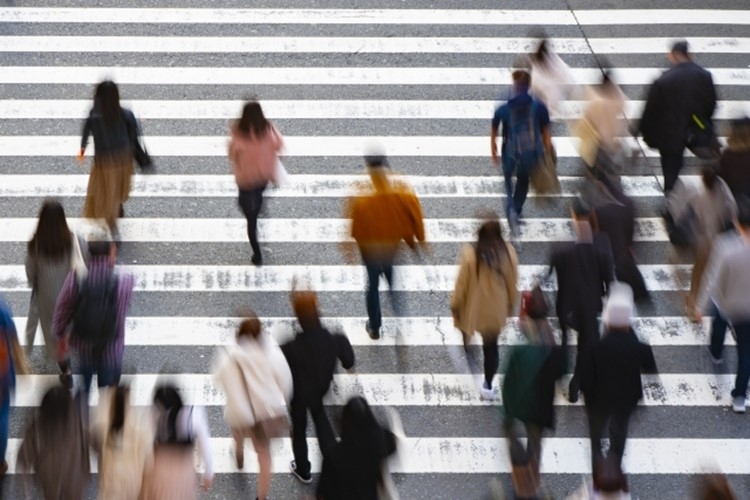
326, 76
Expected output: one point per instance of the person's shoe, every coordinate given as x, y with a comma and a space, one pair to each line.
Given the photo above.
256, 259
573, 390
487, 392
715, 360
121, 213
303, 478
66, 379
738, 404
374, 333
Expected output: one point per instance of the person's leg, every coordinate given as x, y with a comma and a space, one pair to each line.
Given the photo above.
251, 202
239, 447
372, 295
299, 437
263, 449
521, 189
323, 429
388, 274
32, 322
510, 207
743, 359
702, 255
618, 434
491, 357
671, 165
107, 376
597, 420
718, 332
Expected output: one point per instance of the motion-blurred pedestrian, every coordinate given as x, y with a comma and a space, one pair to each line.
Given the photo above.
525, 138
383, 214
613, 387
115, 132
123, 438
714, 487
529, 393
608, 482
584, 269
734, 164
55, 447
729, 293
679, 103
90, 317
257, 380
312, 356
551, 78
354, 467
53, 252
12, 361
253, 152
485, 294
178, 429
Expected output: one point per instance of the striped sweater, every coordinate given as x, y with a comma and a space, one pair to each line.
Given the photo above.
99, 271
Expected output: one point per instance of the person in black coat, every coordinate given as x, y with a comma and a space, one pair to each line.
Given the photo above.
613, 387
312, 357
584, 269
683, 90
354, 467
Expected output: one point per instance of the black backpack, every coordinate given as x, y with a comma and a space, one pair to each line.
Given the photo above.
95, 313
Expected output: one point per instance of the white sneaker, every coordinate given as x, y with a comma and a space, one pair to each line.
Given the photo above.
738, 404
488, 393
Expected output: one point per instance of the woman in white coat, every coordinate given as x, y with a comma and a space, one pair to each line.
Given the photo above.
258, 383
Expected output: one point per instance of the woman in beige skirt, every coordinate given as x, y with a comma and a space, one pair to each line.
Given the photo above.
114, 129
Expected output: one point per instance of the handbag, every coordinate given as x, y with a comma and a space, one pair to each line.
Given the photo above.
275, 425
543, 178
701, 139
534, 303
140, 154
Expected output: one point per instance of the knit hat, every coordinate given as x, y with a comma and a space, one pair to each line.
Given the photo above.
619, 309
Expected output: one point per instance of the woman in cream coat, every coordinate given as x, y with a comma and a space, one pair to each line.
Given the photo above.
485, 294
258, 383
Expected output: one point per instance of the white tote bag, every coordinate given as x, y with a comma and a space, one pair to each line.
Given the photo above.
77, 262
282, 176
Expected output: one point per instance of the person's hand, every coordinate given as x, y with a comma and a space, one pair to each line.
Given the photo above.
206, 482
495, 157
80, 155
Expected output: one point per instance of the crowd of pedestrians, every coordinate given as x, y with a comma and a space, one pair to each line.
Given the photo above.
80, 301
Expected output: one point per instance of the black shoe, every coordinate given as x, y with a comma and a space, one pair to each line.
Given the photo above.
374, 333
303, 478
573, 390
256, 259
66, 379
121, 213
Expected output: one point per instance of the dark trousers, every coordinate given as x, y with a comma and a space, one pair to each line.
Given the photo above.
376, 268
326, 438
672, 160
743, 359
525, 461
516, 195
719, 327
587, 327
614, 420
106, 376
491, 357
250, 202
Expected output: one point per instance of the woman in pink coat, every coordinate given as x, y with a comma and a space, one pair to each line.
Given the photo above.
253, 153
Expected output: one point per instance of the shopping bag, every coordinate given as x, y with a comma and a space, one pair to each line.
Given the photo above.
544, 177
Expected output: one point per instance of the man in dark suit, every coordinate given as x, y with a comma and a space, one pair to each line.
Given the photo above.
682, 91
613, 388
584, 269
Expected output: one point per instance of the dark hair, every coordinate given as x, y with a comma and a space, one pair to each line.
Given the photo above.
168, 400
709, 176
253, 120
107, 103
680, 47
714, 487
490, 247
56, 404
249, 327
542, 52
100, 248
52, 237
522, 77
581, 208
743, 211
363, 437
119, 402
305, 306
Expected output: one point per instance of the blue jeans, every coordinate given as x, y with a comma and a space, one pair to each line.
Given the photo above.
718, 332
106, 376
376, 268
743, 359
516, 195
4, 422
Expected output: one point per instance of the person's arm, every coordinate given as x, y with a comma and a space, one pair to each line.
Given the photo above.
648, 363
544, 126
345, 352
203, 441
496, 119
85, 137
511, 282
64, 306
31, 269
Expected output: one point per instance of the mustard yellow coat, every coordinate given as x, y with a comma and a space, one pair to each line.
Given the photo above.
483, 300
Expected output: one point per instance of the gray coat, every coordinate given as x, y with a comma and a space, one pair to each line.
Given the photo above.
46, 277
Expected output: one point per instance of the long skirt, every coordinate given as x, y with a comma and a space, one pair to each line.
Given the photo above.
109, 186
173, 475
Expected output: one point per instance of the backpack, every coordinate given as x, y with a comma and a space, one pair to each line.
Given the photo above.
95, 313
523, 139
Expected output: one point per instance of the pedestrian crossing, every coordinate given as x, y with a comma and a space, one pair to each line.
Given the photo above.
421, 81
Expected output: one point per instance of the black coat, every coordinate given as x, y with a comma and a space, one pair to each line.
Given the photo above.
312, 359
614, 383
584, 272
684, 89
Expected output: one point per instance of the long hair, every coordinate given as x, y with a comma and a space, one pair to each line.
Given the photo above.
107, 103
363, 436
55, 416
253, 120
119, 403
168, 401
739, 135
709, 177
52, 238
490, 247
542, 53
